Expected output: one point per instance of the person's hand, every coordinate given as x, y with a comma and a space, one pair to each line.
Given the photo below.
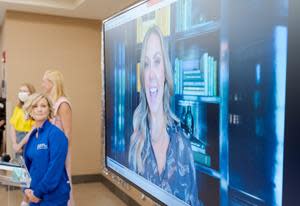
31, 197
27, 193
26, 138
2, 122
26, 199
16, 147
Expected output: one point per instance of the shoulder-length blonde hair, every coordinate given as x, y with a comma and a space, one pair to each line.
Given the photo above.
137, 139
31, 90
33, 100
57, 79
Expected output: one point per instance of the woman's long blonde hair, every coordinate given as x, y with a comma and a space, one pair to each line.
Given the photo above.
140, 116
57, 80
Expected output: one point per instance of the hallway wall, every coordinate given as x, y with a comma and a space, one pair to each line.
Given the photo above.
35, 43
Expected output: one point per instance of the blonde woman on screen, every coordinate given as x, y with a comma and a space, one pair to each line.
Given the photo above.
159, 150
54, 88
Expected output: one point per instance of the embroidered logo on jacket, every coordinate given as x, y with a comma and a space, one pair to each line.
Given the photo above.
42, 146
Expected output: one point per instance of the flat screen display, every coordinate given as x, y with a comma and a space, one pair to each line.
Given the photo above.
195, 100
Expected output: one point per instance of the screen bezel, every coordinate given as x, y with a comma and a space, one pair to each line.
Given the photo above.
287, 108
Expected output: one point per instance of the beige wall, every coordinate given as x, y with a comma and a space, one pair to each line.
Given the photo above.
35, 43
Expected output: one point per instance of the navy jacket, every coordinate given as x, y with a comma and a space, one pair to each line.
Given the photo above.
45, 158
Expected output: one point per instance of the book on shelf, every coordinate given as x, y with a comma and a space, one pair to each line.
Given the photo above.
193, 88
196, 77
193, 84
193, 78
211, 76
194, 93
198, 142
190, 65
198, 145
178, 76
215, 79
204, 67
138, 81
183, 15
198, 149
201, 158
192, 72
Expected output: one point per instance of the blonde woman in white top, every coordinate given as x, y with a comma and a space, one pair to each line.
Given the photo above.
53, 86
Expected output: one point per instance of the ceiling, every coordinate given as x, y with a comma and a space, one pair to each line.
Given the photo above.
89, 9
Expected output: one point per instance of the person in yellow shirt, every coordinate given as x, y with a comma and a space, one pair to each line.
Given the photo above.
20, 126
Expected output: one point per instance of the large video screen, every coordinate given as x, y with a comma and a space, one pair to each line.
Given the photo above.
195, 100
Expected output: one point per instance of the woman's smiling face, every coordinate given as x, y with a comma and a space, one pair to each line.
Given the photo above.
154, 74
40, 110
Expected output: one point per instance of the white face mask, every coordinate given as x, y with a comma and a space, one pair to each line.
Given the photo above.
23, 96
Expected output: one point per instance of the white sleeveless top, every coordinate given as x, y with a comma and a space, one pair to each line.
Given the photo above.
56, 119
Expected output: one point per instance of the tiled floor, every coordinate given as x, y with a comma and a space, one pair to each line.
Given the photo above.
92, 194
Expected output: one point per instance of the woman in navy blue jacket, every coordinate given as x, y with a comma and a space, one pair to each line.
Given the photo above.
45, 156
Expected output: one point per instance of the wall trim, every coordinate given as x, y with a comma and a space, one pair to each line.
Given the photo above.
82, 179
